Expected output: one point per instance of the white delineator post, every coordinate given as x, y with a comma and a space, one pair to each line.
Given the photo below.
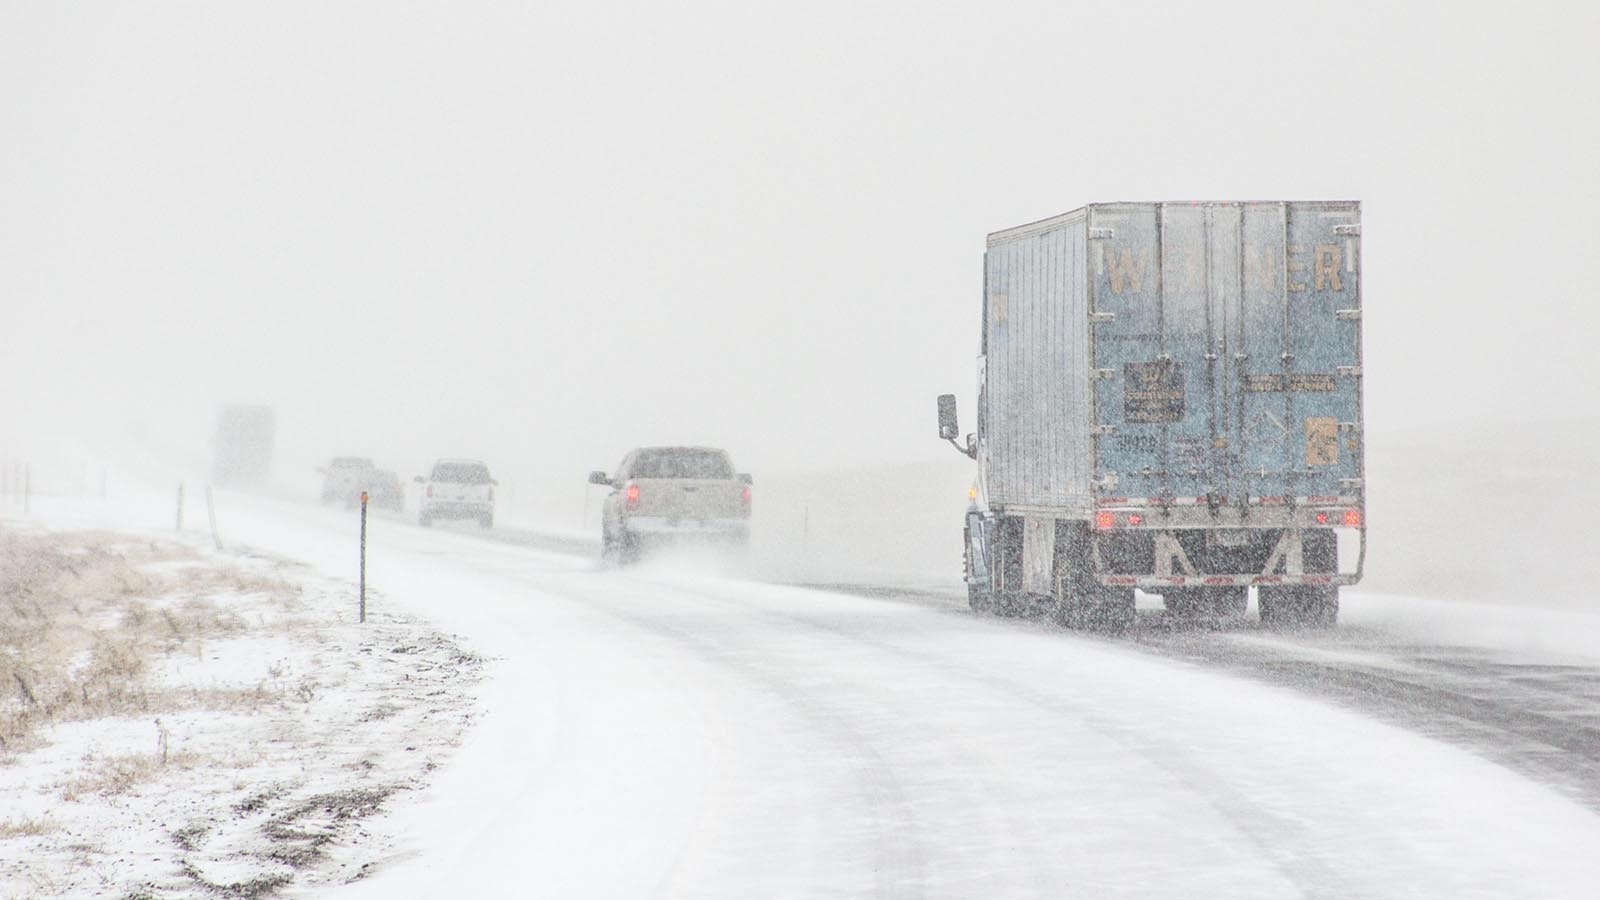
363, 581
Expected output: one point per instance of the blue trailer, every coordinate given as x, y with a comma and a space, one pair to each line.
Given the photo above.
1169, 400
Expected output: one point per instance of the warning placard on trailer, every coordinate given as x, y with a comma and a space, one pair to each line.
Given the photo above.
1322, 442
1152, 392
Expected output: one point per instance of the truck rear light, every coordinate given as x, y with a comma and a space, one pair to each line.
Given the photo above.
630, 496
744, 500
1135, 519
1104, 521
429, 491
1352, 518
1322, 518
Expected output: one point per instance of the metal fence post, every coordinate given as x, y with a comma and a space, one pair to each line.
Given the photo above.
363, 556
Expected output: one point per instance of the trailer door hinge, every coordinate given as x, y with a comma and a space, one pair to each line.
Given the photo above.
1105, 429
1348, 230
1100, 234
1349, 371
1100, 318
1347, 315
1357, 483
1104, 374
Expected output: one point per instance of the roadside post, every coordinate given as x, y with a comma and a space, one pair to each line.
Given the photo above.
27, 486
211, 516
363, 582
180, 506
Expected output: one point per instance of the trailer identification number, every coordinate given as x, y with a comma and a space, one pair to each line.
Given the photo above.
1138, 443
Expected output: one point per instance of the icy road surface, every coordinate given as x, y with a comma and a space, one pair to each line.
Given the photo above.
662, 733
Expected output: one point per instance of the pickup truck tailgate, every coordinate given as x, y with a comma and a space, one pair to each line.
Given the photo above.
689, 498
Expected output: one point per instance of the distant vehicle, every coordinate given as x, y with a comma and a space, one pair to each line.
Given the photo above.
383, 490
457, 489
1169, 399
344, 477
241, 447
663, 494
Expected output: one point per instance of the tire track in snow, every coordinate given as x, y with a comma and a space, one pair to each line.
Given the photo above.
900, 850
1280, 841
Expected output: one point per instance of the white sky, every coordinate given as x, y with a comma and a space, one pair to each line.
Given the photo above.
550, 232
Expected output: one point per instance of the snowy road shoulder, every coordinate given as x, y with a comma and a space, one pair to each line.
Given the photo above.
183, 722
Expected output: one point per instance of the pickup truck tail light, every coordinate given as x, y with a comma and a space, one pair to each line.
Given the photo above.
630, 496
429, 491
744, 500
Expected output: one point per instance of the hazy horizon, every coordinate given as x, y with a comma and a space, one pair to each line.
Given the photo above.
543, 236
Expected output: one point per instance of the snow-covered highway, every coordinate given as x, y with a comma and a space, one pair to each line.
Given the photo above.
661, 732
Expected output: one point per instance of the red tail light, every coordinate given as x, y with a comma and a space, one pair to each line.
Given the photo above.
630, 496
1352, 518
744, 500
1135, 519
430, 490
1322, 518
1104, 521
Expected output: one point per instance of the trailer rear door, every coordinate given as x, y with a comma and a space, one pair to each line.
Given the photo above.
1226, 351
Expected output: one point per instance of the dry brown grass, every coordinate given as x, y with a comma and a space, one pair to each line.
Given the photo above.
27, 828
108, 776
84, 616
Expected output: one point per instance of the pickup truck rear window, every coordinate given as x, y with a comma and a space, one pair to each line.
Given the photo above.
461, 473
710, 464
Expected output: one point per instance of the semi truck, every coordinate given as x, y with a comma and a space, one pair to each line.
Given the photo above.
1169, 400
242, 445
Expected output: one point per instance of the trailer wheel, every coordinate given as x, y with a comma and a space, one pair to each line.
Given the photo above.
1084, 603
1184, 603
1299, 607
1227, 603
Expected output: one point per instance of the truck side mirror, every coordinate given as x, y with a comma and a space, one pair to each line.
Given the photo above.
948, 429
417, 479
599, 477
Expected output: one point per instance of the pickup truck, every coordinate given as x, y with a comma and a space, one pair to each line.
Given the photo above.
344, 477
457, 489
662, 495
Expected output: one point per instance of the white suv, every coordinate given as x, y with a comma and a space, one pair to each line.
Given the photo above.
457, 489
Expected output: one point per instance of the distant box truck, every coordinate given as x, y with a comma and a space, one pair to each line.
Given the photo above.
1169, 399
241, 448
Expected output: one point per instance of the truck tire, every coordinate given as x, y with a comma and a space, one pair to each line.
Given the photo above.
1184, 603
979, 600
630, 549
1306, 605
1086, 604
1229, 603
1302, 606
425, 520
486, 520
